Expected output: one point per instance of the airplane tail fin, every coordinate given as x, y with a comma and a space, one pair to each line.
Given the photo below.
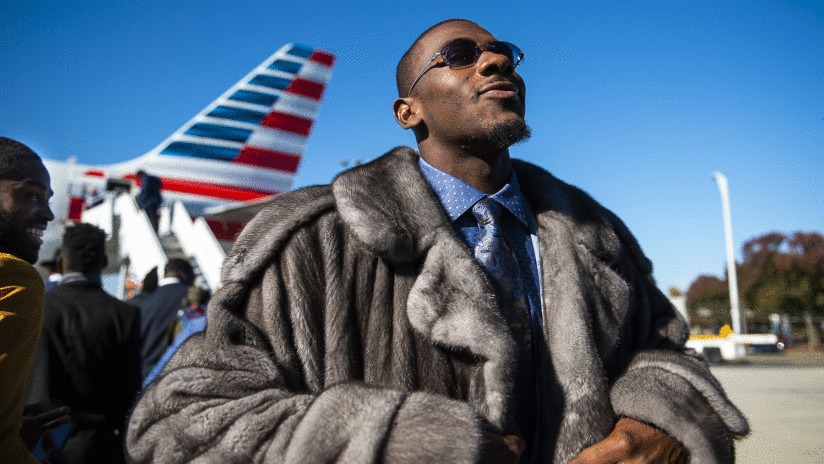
248, 143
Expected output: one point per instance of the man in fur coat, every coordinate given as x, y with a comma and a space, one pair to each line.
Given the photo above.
356, 325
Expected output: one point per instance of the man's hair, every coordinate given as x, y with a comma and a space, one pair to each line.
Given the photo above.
150, 281
84, 247
404, 74
181, 268
12, 155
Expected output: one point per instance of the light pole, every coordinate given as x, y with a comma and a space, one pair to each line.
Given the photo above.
732, 276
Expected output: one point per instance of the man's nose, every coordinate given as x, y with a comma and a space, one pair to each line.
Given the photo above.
46, 212
490, 62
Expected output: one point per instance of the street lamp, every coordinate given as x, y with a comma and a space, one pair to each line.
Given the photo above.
732, 277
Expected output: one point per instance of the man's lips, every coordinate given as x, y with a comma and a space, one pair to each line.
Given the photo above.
500, 89
36, 233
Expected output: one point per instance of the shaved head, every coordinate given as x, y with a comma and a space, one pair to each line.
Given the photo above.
405, 72
13, 156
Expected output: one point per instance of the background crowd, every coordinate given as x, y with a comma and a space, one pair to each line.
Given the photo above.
84, 369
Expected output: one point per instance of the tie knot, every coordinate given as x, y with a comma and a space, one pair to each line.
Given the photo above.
486, 210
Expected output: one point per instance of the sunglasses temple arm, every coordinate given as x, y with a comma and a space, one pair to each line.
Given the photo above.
421, 73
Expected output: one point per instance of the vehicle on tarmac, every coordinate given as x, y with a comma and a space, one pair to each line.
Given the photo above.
728, 345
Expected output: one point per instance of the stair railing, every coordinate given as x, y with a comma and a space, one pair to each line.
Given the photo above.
102, 214
197, 240
138, 240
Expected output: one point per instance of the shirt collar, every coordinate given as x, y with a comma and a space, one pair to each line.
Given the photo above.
78, 277
457, 197
168, 281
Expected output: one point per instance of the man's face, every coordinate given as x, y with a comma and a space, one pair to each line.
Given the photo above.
472, 105
24, 210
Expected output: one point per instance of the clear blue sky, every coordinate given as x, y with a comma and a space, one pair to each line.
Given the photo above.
635, 102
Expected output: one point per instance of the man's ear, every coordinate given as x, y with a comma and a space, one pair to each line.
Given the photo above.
407, 112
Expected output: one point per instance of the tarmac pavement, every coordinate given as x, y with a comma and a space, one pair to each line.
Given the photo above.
783, 399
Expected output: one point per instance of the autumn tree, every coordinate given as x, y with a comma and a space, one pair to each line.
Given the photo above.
779, 274
711, 293
803, 266
761, 282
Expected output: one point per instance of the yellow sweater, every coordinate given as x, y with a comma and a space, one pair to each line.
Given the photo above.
21, 319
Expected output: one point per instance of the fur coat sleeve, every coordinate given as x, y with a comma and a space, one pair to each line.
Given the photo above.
354, 326
614, 341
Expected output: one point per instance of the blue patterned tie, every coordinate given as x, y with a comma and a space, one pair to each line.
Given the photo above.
497, 256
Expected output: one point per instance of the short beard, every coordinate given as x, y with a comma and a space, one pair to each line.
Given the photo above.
13, 242
7, 241
508, 133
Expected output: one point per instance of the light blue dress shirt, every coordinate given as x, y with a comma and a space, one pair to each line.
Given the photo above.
458, 197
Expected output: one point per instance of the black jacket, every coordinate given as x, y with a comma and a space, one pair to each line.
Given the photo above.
158, 311
88, 358
150, 196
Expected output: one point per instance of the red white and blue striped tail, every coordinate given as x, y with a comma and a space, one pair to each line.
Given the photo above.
248, 143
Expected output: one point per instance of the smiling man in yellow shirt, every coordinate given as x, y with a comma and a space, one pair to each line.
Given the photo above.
24, 212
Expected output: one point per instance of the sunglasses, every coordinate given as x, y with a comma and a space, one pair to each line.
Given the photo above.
464, 52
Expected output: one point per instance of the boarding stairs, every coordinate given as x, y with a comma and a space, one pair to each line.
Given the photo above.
133, 248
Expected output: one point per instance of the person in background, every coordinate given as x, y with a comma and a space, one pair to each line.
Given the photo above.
191, 320
149, 199
54, 277
158, 311
92, 197
25, 189
88, 357
148, 286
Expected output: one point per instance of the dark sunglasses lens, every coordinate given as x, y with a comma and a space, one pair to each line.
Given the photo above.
505, 48
460, 53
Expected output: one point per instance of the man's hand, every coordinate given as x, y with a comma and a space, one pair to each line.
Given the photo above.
500, 449
633, 442
35, 421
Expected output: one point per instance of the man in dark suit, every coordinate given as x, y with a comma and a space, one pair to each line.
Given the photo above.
88, 357
150, 198
158, 311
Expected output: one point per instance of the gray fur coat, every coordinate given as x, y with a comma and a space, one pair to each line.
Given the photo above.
354, 326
